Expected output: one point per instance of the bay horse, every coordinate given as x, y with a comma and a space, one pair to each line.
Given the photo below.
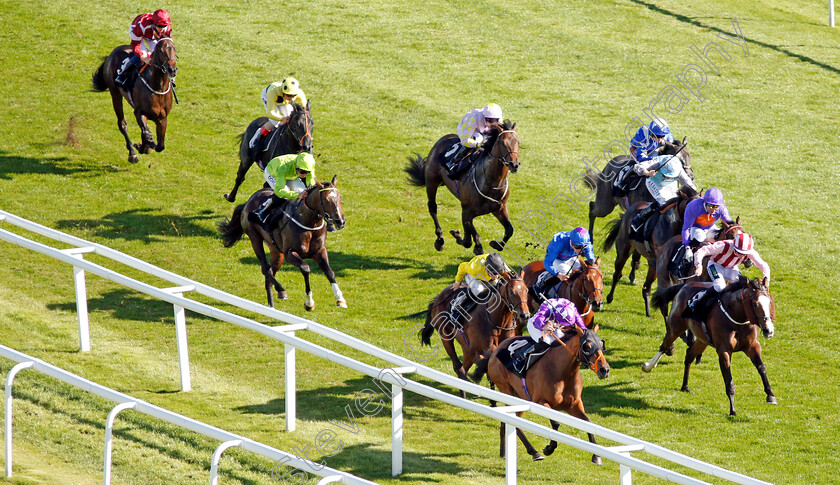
300, 234
487, 324
295, 136
604, 180
667, 226
583, 288
731, 326
483, 189
553, 381
151, 96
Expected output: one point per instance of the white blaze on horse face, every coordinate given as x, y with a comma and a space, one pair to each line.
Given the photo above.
765, 304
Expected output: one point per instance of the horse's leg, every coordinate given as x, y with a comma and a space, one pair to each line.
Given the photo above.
431, 193
469, 233
503, 217
323, 261
259, 250
754, 353
635, 263
148, 140
674, 327
725, 360
117, 101
622, 252
294, 258
529, 448
696, 349
576, 410
448, 341
160, 131
549, 449
651, 277
277, 260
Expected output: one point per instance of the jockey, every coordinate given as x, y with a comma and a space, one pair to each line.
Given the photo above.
724, 259
297, 170
561, 258
145, 32
484, 268
277, 99
700, 218
473, 128
644, 146
665, 173
554, 316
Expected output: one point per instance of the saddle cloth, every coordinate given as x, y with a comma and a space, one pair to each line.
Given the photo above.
524, 352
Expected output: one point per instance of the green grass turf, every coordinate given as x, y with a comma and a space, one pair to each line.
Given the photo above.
387, 79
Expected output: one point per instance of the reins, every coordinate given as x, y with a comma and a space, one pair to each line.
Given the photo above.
505, 162
319, 214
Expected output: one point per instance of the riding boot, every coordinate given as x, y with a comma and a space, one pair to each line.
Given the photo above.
257, 138
538, 290
125, 68
639, 220
261, 214
698, 309
456, 166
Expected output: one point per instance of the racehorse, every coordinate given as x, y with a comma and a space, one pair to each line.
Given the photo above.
151, 96
487, 324
553, 381
730, 326
583, 288
667, 226
300, 234
483, 189
295, 136
605, 200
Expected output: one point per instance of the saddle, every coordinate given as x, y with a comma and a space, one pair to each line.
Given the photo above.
457, 167
266, 145
461, 305
626, 181
698, 312
647, 230
524, 352
133, 73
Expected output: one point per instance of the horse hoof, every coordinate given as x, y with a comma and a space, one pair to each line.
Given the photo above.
771, 400
497, 245
548, 450
309, 308
646, 367
282, 295
133, 159
159, 148
439, 243
229, 198
609, 298
684, 389
537, 456
632, 280
733, 413
477, 250
341, 303
597, 460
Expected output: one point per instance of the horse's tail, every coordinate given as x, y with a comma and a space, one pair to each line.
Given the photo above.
98, 79
663, 296
614, 227
416, 169
480, 368
230, 230
428, 329
591, 178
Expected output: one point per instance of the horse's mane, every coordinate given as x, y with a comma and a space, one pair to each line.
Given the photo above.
688, 192
496, 129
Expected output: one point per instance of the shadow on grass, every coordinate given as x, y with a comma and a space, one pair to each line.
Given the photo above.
11, 165
694, 21
143, 225
127, 304
340, 262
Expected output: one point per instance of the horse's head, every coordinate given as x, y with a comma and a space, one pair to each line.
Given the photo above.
300, 127
729, 231
325, 199
684, 196
592, 353
677, 148
761, 309
165, 58
514, 293
591, 284
506, 145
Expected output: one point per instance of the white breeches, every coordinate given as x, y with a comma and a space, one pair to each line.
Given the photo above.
147, 46
567, 266
295, 184
537, 335
477, 287
725, 275
702, 235
663, 193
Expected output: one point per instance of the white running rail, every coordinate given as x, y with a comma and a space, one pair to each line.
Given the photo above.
392, 376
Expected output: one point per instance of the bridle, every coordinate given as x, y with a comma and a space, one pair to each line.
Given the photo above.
579, 354
162, 66
506, 158
306, 132
584, 294
320, 213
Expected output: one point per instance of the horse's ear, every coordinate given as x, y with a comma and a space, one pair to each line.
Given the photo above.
335, 178
580, 331
514, 127
597, 262
766, 282
738, 220
684, 140
307, 105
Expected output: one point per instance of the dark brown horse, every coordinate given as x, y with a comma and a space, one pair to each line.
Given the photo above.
483, 189
731, 325
300, 234
605, 201
667, 226
583, 288
487, 324
553, 381
151, 96
295, 136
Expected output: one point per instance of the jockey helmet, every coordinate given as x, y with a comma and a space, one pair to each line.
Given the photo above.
492, 112
305, 162
495, 264
659, 127
744, 243
642, 138
291, 86
671, 168
579, 236
161, 17
713, 196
